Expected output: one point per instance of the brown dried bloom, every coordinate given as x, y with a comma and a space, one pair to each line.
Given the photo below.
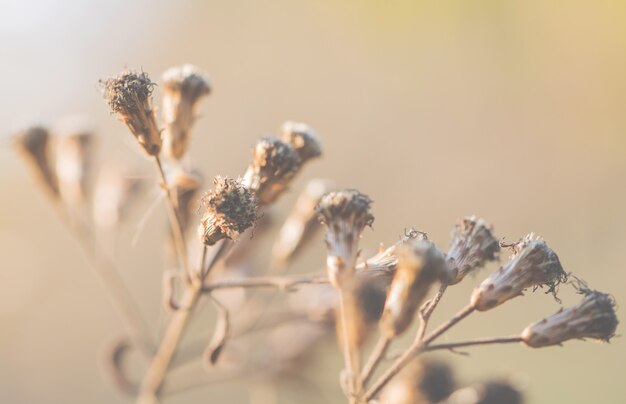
302, 138
472, 246
345, 214
422, 382
130, 96
182, 89
33, 143
274, 163
491, 392
594, 317
532, 265
230, 209
74, 160
302, 222
420, 264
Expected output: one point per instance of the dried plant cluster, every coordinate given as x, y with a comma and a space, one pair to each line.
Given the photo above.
355, 298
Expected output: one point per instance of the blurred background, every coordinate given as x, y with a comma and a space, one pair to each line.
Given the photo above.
513, 111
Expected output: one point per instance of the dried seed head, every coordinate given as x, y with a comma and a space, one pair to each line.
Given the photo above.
117, 189
130, 96
185, 185
420, 264
274, 163
301, 224
230, 209
345, 214
33, 143
74, 160
423, 381
302, 138
472, 246
182, 89
532, 265
594, 317
492, 392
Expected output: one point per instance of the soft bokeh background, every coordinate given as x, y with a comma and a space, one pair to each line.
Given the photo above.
510, 110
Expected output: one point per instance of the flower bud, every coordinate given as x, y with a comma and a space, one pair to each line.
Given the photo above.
532, 265
182, 89
594, 317
273, 165
419, 266
185, 185
302, 138
491, 392
472, 246
230, 209
33, 143
130, 96
345, 214
422, 382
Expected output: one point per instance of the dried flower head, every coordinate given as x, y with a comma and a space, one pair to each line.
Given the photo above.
594, 317
420, 264
182, 89
472, 246
74, 160
302, 138
117, 189
345, 214
492, 392
130, 96
33, 143
301, 223
274, 163
230, 209
422, 382
532, 265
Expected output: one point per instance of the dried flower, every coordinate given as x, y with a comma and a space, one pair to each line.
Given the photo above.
117, 189
185, 185
594, 317
273, 165
182, 89
422, 382
492, 392
74, 160
302, 138
345, 214
532, 265
420, 264
472, 246
34, 146
130, 96
230, 209
301, 223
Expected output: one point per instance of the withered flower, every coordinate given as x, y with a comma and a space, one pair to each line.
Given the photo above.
532, 265
274, 163
302, 138
594, 317
183, 87
33, 143
185, 185
472, 246
230, 209
301, 223
130, 96
422, 382
345, 214
74, 161
491, 392
420, 264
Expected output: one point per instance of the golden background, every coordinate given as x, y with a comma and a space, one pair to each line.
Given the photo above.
511, 110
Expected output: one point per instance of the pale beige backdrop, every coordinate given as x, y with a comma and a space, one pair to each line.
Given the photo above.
512, 110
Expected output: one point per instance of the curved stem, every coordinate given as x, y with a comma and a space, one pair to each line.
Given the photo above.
279, 282
484, 341
427, 311
375, 357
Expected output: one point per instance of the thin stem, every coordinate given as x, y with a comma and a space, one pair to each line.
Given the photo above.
428, 311
484, 341
175, 224
375, 357
350, 350
279, 282
416, 348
